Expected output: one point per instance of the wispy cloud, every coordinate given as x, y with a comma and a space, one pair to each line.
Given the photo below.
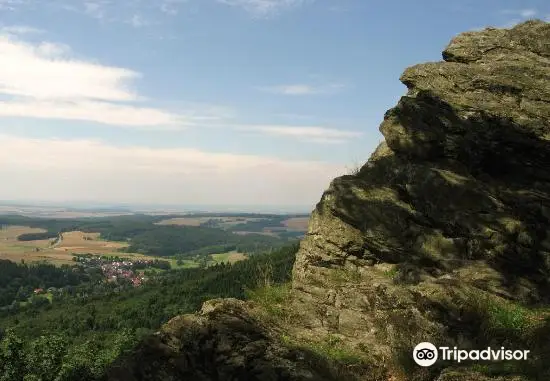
130, 12
97, 111
137, 21
95, 9
171, 7
523, 13
264, 8
11, 5
303, 89
43, 80
518, 16
117, 11
139, 174
305, 133
20, 30
337, 8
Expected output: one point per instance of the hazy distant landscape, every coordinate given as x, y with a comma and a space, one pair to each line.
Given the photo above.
55, 234
75, 210
97, 277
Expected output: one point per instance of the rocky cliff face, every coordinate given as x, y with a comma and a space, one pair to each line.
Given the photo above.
442, 236
449, 220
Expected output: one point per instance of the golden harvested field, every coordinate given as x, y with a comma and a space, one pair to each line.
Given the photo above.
76, 242
43, 250
196, 221
12, 232
297, 223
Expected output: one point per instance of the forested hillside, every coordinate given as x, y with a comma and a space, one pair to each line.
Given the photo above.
76, 336
18, 281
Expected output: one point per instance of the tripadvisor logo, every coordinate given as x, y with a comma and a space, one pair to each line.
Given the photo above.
426, 354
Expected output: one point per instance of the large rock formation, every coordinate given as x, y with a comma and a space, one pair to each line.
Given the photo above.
449, 220
223, 342
442, 236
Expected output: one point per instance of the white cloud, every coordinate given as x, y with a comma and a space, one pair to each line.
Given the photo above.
264, 8
95, 9
63, 170
97, 111
171, 7
524, 13
293, 89
105, 11
40, 71
42, 81
295, 116
306, 133
118, 11
11, 5
303, 89
519, 15
138, 21
20, 29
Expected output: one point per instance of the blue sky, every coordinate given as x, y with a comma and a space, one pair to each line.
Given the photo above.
209, 102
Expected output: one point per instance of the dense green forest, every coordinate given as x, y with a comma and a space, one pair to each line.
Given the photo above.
76, 336
18, 281
187, 241
117, 228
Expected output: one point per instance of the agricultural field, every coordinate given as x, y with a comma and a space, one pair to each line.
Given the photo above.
268, 225
297, 223
225, 221
266, 232
57, 253
79, 242
231, 257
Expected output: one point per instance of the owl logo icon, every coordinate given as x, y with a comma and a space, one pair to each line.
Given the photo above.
425, 354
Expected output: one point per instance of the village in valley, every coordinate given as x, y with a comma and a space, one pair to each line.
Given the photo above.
113, 270
116, 269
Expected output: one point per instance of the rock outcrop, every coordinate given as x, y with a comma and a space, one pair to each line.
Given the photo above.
448, 222
224, 341
442, 236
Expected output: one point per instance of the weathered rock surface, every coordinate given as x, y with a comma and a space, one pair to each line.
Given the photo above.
442, 236
451, 214
221, 342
